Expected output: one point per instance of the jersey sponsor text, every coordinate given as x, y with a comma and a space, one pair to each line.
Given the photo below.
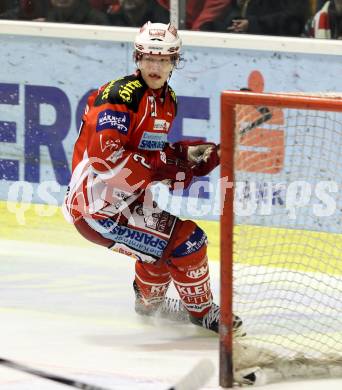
115, 120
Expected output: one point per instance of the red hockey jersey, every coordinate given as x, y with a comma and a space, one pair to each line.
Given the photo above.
124, 124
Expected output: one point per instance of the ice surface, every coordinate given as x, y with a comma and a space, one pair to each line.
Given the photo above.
70, 311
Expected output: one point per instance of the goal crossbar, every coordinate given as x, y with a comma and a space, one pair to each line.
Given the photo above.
324, 102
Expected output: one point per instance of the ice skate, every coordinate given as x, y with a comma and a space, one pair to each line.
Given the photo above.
211, 321
173, 309
169, 308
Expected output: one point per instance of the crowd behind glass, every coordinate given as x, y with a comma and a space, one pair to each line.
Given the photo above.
298, 18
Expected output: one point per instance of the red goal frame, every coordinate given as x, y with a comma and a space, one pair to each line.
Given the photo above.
229, 100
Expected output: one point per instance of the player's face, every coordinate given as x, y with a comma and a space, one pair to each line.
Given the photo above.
155, 69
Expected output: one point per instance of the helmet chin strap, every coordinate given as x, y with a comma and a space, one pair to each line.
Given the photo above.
170, 74
168, 79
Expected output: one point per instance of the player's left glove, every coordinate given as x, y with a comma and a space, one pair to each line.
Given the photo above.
203, 157
167, 166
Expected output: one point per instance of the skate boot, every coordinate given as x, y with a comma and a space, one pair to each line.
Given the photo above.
140, 307
169, 308
211, 321
173, 309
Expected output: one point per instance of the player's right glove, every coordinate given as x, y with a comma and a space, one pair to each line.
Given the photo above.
167, 166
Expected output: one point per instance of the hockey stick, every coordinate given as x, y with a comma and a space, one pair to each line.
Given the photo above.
194, 380
55, 378
197, 377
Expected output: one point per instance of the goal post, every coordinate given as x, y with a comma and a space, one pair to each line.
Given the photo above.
280, 226
226, 244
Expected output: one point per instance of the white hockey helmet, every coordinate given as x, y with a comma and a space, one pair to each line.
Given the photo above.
158, 38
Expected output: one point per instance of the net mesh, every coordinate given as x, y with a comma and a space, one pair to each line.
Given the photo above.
287, 229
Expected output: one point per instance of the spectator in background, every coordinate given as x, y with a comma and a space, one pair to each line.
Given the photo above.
319, 4
268, 17
75, 11
23, 9
103, 5
202, 14
4, 6
327, 23
135, 13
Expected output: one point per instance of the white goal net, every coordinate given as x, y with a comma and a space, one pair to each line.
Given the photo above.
287, 252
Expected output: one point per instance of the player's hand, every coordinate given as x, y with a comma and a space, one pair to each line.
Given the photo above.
169, 168
199, 153
239, 25
210, 159
202, 156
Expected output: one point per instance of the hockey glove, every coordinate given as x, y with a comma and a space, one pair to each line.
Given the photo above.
202, 156
168, 167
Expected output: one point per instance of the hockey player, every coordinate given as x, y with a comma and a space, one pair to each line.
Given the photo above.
121, 149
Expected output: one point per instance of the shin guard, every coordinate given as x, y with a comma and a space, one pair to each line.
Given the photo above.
150, 285
188, 266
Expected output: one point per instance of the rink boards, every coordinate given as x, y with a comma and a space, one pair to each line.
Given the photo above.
264, 246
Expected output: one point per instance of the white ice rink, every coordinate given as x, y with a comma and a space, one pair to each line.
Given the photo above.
70, 311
